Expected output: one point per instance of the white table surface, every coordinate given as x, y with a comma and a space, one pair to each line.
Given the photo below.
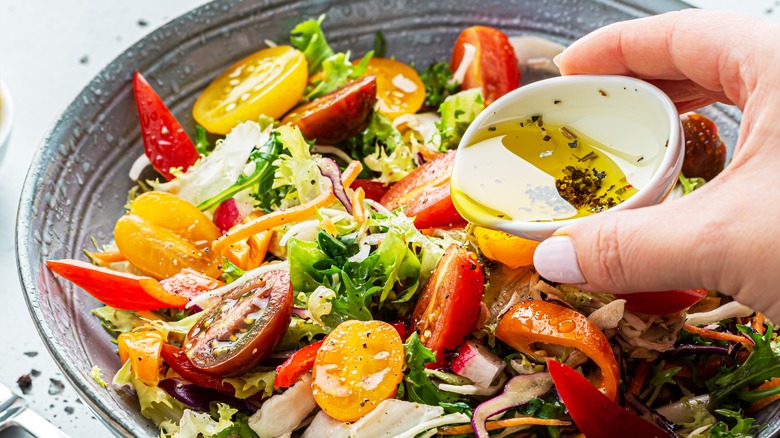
49, 50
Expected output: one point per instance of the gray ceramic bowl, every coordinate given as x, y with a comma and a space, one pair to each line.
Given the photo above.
78, 181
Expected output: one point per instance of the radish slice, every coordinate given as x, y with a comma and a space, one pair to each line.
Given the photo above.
517, 392
477, 364
230, 213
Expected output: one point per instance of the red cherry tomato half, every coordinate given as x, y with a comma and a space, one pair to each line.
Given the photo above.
494, 69
425, 194
448, 308
373, 189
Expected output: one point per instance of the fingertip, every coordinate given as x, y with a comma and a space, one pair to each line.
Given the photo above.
556, 260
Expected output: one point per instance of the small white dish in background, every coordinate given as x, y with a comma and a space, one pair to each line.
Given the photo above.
631, 117
6, 116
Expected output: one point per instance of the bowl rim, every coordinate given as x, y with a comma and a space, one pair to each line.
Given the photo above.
671, 162
7, 113
43, 157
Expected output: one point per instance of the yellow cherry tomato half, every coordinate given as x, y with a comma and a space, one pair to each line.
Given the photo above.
399, 89
143, 348
268, 82
502, 247
170, 211
159, 252
358, 366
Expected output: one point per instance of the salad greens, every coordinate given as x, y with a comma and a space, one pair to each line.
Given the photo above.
366, 263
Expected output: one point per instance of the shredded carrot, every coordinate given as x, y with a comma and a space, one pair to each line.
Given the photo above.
358, 212
758, 322
429, 154
764, 402
281, 217
106, 257
640, 375
712, 334
501, 424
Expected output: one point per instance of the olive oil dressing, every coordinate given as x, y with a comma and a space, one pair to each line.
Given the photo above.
542, 172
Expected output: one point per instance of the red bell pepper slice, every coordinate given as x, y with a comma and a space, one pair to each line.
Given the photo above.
593, 412
117, 289
177, 359
663, 302
166, 144
301, 362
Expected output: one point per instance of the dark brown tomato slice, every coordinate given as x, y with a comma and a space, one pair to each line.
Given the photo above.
705, 152
244, 328
337, 115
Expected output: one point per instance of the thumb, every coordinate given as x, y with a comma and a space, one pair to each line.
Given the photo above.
667, 246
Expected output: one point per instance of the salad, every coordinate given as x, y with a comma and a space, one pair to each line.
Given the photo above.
300, 269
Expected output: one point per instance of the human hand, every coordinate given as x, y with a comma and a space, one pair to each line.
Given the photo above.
722, 235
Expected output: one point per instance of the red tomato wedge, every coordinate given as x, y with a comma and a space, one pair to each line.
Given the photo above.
663, 302
425, 194
373, 189
117, 289
166, 144
593, 412
494, 69
301, 362
448, 308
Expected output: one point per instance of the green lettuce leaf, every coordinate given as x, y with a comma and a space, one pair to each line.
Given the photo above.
296, 168
762, 365
300, 333
418, 386
393, 167
239, 428
117, 321
195, 424
230, 272
457, 113
155, 403
309, 39
251, 383
337, 71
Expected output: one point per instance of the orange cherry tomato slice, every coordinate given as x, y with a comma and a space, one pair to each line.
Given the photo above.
399, 88
268, 82
174, 213
158, 252
358, 366
143, 348
502, 247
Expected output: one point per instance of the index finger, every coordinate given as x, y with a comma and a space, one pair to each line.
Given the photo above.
707, 47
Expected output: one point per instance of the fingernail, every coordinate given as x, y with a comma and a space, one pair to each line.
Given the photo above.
557, 60
556, 260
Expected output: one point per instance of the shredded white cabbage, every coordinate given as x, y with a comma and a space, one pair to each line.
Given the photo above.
729, 310
283, 413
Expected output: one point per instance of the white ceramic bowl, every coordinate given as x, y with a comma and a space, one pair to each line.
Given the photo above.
6, 115
626, 114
